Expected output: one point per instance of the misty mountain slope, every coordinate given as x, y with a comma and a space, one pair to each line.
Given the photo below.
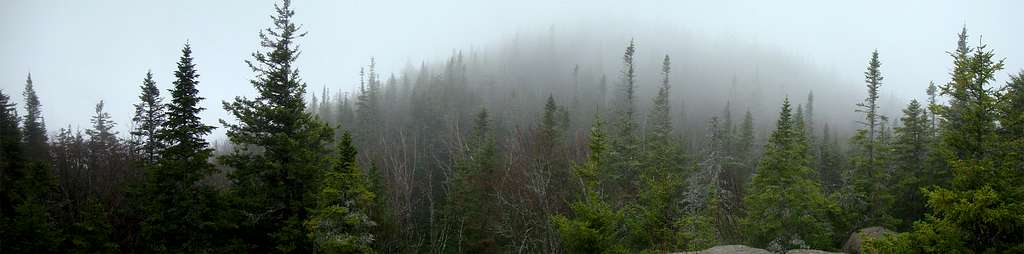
570, 62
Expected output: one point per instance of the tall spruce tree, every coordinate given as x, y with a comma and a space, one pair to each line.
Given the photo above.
932, 92
182, 213
979, 211
624, 146
339, 223
650, 216
866, 198
596, 226
23, 215
470, 205
829, 170
910, 151
809, 118
280, 148
102, 155
744, 150
36, 147
786, 208
659, 136
148, 119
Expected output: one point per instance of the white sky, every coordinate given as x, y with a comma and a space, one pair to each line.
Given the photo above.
82, 51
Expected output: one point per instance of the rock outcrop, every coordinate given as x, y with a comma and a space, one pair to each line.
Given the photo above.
743, 249
806, 251
724, 249
853, 244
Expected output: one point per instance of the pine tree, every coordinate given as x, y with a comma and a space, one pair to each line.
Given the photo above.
149, 117
339, 223
786, 208
280, 148
36, 147
182, 213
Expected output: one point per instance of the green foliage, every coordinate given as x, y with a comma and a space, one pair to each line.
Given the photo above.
470, 207
624, 155
831, 161
368, 105
91, 231
280, 148
695, 232
36, 148
786, 208
149, 117
182, 213
339, 223
865, 198
595, 226
980, 210
23, 215
910, 152
649, 217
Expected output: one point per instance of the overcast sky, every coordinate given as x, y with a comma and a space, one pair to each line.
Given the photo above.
80, 52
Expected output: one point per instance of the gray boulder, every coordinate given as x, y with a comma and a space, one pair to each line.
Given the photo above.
806, 251
853, 244
743, 249
730, 249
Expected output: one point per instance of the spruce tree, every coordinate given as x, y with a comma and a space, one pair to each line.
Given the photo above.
810, 116
368, 119
280, 148
979, 211
650, 216
786, 208
624, 146
470, 205
932, 103
102, 153
595, 226
339, 223
830, 170
149, 117
102, 136
659, 137
182, 213
36, 147
23, 217
866, 199
910, 152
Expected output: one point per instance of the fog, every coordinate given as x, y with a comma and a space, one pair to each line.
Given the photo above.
80, 52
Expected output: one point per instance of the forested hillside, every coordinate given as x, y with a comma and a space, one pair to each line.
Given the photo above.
539, 144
